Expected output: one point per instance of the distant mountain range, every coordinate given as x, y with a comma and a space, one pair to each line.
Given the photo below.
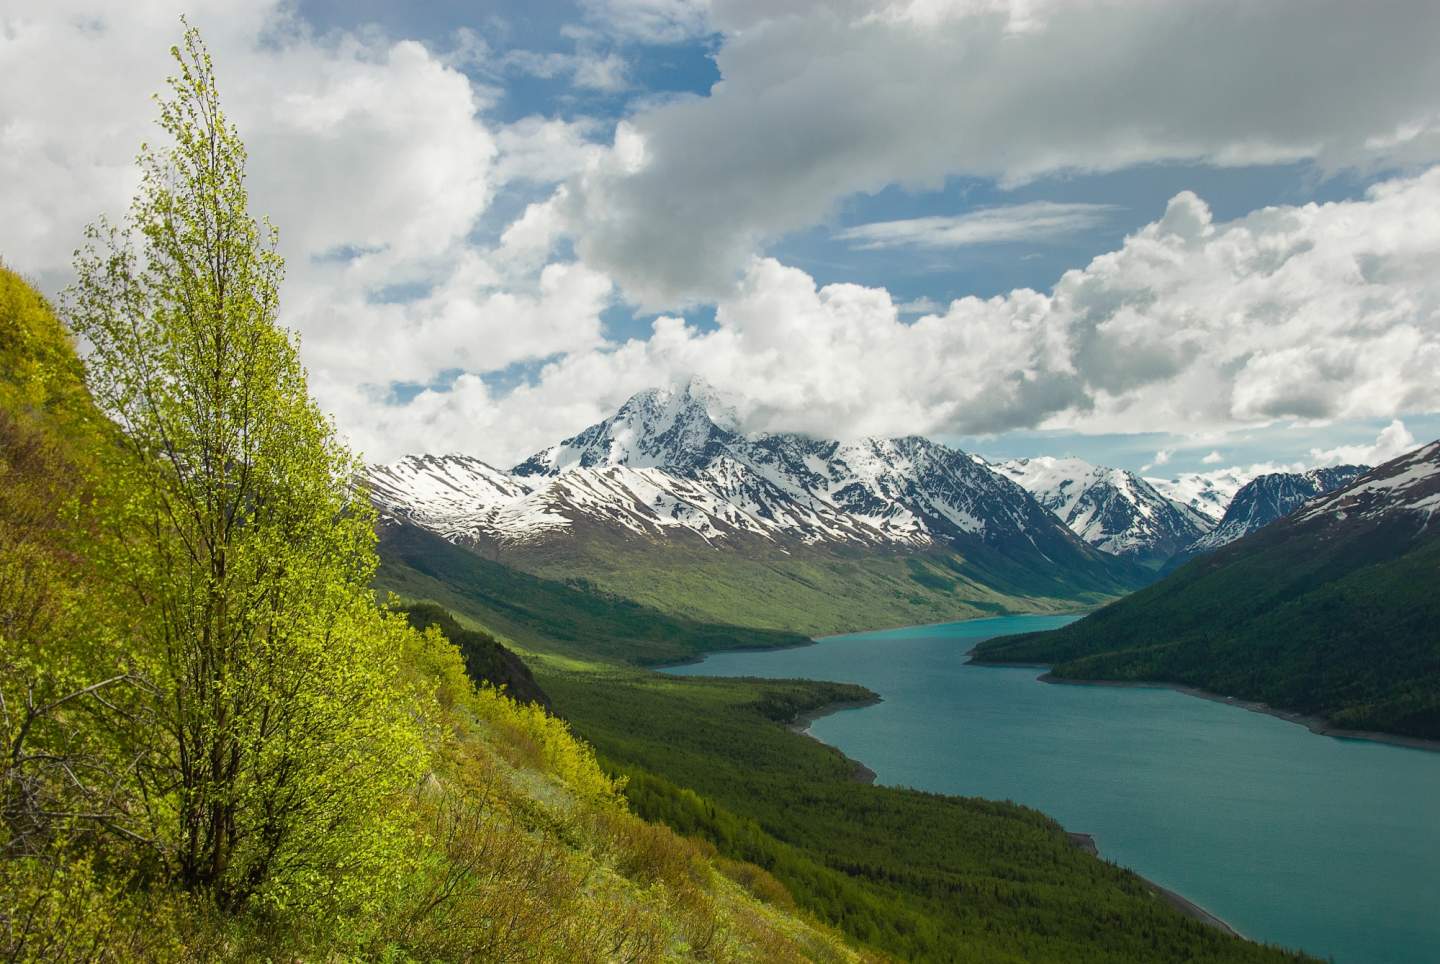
662, 467
1329, 611
1272, 496
1208, 493
668, 503
1114, 510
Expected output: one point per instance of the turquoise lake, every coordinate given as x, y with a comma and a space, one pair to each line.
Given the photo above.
1307, 841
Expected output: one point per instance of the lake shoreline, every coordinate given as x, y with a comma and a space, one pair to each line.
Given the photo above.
1192, 910
1083, 610
800, 726
1318, 725
814, 640
884, 674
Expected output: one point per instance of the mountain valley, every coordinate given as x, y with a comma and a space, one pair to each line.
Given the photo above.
1327, 612
788, 532
784, 531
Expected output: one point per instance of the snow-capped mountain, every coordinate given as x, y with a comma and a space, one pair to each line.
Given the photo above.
1408, 486
667, 466
1272, 496
1114, 510
1208, 493
677, 429
434, 488
1329, 611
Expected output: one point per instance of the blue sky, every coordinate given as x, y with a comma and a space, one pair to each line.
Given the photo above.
1132, 197
502, 218
1137, 194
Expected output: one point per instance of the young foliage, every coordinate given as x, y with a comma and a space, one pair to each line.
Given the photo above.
274, 732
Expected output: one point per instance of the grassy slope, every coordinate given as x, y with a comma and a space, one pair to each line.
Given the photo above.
818, 592
1346, 628
919, 875
521, 849
531, 609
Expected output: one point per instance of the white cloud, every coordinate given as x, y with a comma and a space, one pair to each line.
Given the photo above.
1034, 221
372, 156
821, 99
1214, 458
1160, 458
377, 160
608, 72
1320, 311
545, 150
1393, 441
650, 21
587, 69
920, 306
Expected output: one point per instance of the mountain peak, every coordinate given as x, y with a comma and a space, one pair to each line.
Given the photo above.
676, 427
1272, 496
691, 398
1112, 509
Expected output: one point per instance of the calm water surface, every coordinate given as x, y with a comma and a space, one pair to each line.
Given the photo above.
1302, 840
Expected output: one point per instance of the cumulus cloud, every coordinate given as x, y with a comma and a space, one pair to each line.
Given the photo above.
1161, 457
1033, 221
372, 155
377, 160
1393, 441
545, 150
920, 306
824, 98
1319, 311
1214, 458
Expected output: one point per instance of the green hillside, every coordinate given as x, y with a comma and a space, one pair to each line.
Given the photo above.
1340, 621
921, 876
516, 844
821, 591
214, 745
417, 564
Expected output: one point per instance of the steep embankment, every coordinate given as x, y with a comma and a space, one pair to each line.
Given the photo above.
514, 845
487, 660
1330, 612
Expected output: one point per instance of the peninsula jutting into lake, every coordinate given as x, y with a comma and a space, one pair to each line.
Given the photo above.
1338, 850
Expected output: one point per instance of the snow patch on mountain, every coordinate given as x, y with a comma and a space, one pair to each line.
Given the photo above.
1408, 484
430, 489
669, 461
1272, 496
1208, 493
1114, 510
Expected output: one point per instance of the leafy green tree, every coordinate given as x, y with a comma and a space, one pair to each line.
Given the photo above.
235, 540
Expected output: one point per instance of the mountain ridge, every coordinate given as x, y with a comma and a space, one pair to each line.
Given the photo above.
1272, 496
1113, 510
1327, 612
922, 531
